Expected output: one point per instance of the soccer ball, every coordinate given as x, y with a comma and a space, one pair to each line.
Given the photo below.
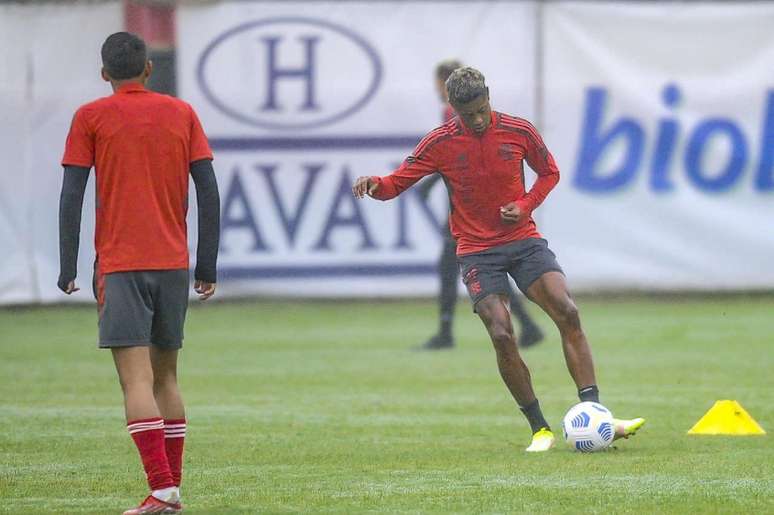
588, 427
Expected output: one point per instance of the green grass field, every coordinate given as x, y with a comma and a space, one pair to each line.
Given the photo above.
320, 406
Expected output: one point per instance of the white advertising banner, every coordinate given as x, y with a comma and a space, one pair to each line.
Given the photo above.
50, 65
299, 98
661, 117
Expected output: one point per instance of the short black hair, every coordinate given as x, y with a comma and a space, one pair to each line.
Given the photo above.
465, 85
124, 55
445, 68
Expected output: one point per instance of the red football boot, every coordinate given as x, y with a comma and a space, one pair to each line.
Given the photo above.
153, 505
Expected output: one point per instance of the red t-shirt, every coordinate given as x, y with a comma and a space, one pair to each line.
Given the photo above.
483, 173
140, 144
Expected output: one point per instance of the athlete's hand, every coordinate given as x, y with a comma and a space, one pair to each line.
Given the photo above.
68, 288
511, 213
204, 289
363, 186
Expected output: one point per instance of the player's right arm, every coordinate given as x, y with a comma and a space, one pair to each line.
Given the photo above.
77, 161
423, 161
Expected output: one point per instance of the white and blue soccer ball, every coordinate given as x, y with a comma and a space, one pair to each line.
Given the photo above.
588, 427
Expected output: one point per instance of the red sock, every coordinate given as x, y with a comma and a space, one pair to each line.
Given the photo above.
174, 433
148, 435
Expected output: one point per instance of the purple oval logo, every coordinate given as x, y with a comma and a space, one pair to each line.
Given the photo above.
289, 73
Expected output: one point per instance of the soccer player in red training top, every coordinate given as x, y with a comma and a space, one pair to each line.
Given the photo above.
480, 155
447, 265
143, 146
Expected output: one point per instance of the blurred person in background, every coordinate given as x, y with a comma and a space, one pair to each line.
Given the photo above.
143, 145
480, 155
447, 264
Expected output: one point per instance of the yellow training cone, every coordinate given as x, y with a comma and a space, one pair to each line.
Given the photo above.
726, 418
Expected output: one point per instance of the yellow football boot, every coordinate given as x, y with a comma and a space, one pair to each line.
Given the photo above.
627, 428
541, 441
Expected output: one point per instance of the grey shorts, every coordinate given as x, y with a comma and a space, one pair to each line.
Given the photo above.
486, 273
141, 308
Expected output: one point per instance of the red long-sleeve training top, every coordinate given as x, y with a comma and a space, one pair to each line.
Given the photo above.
482, 173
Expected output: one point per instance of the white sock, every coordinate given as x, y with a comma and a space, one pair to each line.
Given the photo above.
170, 495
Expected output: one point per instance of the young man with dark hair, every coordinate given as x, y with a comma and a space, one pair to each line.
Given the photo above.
143, 146
447, 265
480, 155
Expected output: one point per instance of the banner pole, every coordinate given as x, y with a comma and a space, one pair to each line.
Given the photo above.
539, 50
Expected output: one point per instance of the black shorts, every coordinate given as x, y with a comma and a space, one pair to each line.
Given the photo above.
141, 308
486, 273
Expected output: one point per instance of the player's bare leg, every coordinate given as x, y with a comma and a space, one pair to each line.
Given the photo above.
145, 425
551, 294
165, 389
530, 334
136, 376
494, 313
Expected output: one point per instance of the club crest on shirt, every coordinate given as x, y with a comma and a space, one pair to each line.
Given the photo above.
507, 152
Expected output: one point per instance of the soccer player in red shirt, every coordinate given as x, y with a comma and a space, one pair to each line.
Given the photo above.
480, 156
143, 146
447, 265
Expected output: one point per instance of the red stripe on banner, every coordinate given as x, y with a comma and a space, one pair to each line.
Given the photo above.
153, 22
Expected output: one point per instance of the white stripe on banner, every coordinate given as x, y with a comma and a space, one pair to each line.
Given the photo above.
673, 175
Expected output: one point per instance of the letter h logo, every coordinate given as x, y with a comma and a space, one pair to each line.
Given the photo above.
306, 72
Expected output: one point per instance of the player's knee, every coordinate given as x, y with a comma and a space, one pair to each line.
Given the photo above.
164, 381
135, 383
567, 315
502, 337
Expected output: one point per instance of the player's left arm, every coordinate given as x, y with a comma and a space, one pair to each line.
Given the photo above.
542, 162
70, 209
77, 162
208, 205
